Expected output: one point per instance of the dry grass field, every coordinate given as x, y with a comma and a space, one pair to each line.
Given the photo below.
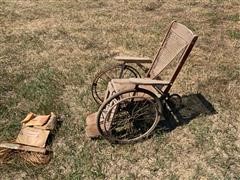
50, 51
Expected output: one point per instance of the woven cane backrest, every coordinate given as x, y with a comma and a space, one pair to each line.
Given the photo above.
176, 46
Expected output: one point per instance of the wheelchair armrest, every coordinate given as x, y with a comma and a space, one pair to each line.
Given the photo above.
148, 81
127, 59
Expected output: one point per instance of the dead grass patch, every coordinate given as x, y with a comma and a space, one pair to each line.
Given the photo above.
50, 51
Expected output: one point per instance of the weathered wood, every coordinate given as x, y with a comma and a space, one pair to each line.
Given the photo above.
127, 59
32, 136
148, 81
23, 147
125, 84
51, 123
28, 117
39, 120
91, 126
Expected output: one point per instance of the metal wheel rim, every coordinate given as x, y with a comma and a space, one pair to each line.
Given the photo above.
94, 88
154, 122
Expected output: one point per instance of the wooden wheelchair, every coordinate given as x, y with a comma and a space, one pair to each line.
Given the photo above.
132, 106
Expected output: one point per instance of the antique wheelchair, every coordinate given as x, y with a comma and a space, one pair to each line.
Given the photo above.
132, 106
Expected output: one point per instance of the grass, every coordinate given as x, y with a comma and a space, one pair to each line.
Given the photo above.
234, 34
51, 50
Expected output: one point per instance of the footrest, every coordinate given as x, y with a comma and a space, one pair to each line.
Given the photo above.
91, 126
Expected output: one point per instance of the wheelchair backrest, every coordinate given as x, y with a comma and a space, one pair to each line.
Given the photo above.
175, 47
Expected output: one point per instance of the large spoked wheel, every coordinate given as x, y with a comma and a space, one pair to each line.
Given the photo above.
129, 116
101, 80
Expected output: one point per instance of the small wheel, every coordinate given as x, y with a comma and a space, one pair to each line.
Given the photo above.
101, 80
175, 101
129, 116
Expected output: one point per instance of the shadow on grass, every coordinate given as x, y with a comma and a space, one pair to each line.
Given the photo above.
54, 133
192, 106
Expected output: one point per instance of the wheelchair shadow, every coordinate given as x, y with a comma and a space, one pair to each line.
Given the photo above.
192, 106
